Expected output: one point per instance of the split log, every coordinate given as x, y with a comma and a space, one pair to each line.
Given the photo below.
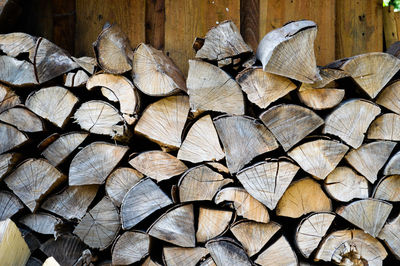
140, 201
290, 123
52, 103
377, 152
50, 261
212, 223
175, 226
47, 141
351, 247
311, 230
289, 51
211, 88
66, 249
158, 165
154, 73
94, 163
87, 63
224, 251
222, 42
320, 99
74, 80
388, 188
62, 147
7, 162
72, 202
130, 247
302, 197
243, 139
121, 88
368, 214
350, 120
174, 256
9, 205
8, 98
42, 223
319, 157
389, 234
343, 184
16, 72
393, 166
267, 181
22, 119
263, 88
244, 204
150, 262
113, 52
11, 137
280, 251
252, 235
32, 180
385, 127
16, 43
13, 249
100, 226
200, 183
208, 262
390, 97
328, 76
219, 167
119, 182
164, 120
201, 143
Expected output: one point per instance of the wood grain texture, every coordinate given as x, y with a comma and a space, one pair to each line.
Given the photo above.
358, 27
249, 22
187, 19
275, 13
91, 15
155, 20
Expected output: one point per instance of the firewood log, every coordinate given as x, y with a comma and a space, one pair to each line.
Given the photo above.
377, 152
150, 262
51, 61
61, 148
243, 139
212, 223
100, 226
120, 181
393, 165
252, 235
7, 163
201, 143
320, 99
23, 119
351, 247
13, 248
94, 163
158, 165
350, 120
328, 76
32, 180
290, 123
388, 188
66, 249
130, 247
16, 72
74, 80
311, 230
244, 204
289, 51
263, 88
8, 98
267, 181
122, 89
47, 141
219, 167
154, 73
302, 197
9, 205
175, 256
200, 183
319, 157
11, 137
221, 42
390, 233
368, 214
52, 103
72, 202
212, 89
175, 226
225, 250
343, 184
42, 223
208, 262
278, 253
113, 51
164, 120
389, 97
51, 261
385, 127
87, 63
16, 43
140, 201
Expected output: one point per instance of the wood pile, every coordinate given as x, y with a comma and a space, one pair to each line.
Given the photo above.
256, 158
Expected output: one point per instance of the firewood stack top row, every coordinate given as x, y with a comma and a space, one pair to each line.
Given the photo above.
256, 158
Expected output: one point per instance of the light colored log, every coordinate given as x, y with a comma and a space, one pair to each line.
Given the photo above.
13, 248
390, 234
393, 165
225, 250
23, 119
42, 223
16, 72
212, 223
175, 256
279, 253
9, 205
8, 98
87, 63
16, 43
385, 127
130, 247
320, 99
75, 80
11, 137
8, 162
389, 97
388, 188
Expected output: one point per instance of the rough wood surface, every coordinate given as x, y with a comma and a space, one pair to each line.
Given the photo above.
212, 223
389, 234
183, 256
225, 250
130, 247
13, 248
10, 205
279, 251
388, 188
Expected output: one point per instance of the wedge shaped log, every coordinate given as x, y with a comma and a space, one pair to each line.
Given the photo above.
16, 43
279, 251
225, 250
388, 188
9, 205
8, 98
212, 223
389, 97
183, 256
130, 247
22, 119
42, 223
16, 72
385, 127
389, 234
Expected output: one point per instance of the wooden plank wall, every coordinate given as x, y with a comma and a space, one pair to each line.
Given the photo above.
346, 27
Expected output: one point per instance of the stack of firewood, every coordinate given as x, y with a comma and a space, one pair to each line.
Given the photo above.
255, 158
